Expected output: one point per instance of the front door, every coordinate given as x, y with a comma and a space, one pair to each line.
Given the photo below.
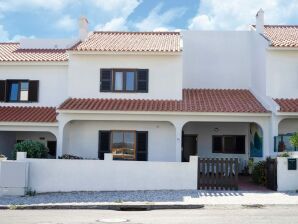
189, 147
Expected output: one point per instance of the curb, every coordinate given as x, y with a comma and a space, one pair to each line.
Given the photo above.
121, 207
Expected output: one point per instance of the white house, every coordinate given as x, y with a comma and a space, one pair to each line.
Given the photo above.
152, 96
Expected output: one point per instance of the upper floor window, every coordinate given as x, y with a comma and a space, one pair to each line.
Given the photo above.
19, 90
124, 80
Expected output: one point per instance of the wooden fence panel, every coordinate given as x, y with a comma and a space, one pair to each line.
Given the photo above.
218, 174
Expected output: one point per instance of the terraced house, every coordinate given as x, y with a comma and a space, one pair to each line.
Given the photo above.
153, 96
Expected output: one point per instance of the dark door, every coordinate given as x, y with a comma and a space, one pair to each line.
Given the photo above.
52, 145
189, 147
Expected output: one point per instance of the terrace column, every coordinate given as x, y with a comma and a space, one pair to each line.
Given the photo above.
60, 137
178, 139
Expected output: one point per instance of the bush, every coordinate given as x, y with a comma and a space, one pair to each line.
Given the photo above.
34, 149
259, 173
68, 156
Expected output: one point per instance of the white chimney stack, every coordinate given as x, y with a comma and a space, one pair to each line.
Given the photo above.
83, 28
260, 21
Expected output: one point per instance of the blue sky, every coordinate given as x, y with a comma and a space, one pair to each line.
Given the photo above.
58, 18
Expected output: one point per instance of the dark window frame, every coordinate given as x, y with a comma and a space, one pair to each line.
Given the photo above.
124, 77
223, 150
8, 89
137, 80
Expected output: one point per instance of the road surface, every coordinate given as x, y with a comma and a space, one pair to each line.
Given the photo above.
213, 215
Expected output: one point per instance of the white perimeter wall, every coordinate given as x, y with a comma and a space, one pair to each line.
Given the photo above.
216, 59
205, 131
52, 82
165, 75
98, 175
282, 73
287, 180
82, 138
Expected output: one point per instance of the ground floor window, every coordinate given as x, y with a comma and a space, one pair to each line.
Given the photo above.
230, 144
123, 145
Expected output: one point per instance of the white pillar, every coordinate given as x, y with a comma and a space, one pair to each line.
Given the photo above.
178, 151
267, 139
60, 137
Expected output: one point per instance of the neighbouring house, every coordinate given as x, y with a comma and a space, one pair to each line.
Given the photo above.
153, 96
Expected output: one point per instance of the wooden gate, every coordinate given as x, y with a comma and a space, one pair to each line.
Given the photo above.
218, 174
271, 174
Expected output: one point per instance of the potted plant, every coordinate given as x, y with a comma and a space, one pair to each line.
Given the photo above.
2, 157
250, 165
294, 140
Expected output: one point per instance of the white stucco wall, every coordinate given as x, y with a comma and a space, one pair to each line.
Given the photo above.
216, 59
258, 63
82, 138
287, 180
52, 82
282, 73
205, 131
165, 75
289, 125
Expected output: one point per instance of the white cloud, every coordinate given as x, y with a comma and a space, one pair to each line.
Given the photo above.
18, 37
53, 5
157, 20
118, 11
66, 23
117, 24
4, 35
238, 14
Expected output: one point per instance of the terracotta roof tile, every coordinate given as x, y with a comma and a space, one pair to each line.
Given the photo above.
11, 52
27, 114
131, 42
282, 35
194, 100
287, 105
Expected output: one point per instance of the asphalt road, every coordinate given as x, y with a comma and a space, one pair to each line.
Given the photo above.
210, 215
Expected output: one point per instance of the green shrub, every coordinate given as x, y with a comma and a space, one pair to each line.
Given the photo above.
68, 156
34, 149
259, 173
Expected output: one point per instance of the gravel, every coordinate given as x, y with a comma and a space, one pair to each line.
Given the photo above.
95, 197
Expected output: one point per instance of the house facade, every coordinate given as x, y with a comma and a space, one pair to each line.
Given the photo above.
153, 96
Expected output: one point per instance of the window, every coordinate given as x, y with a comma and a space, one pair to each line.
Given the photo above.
19, 90
124, 145
124, 80
233, 144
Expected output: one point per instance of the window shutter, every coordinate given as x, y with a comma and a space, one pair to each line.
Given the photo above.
142, 80
105, 80
2, 90
33, 90
103, 143
142, 145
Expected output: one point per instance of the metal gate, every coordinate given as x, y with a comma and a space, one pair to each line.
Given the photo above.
218, 174
271, 174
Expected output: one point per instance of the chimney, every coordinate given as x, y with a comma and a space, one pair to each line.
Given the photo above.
83, 28
260, 21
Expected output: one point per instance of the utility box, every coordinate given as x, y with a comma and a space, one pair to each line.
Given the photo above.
13, 178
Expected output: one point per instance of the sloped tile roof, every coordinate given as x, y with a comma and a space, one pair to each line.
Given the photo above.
11, 52
287, 105
27, 114
131, 42
282, 35
194, 100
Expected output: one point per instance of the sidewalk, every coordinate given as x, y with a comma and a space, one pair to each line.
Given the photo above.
177, 199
